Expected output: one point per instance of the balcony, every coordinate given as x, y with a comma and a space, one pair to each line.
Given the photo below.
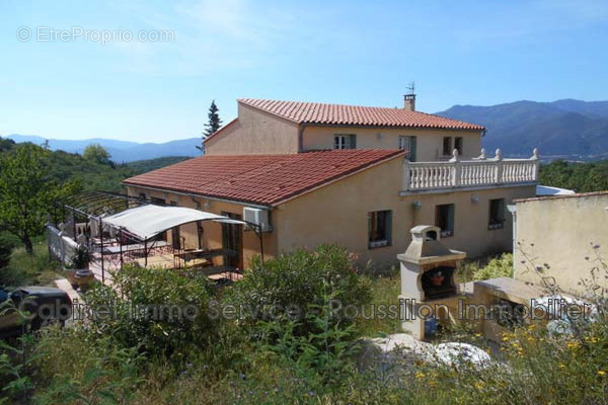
480, 172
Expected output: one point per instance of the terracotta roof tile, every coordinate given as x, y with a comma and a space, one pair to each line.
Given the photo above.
261, 179
336, 114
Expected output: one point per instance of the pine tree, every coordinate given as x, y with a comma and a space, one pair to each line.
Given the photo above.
212, 125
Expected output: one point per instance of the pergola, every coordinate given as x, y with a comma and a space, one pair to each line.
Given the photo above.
131, 219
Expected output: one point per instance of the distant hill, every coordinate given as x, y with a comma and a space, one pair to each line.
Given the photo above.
63, 166
143, 166
120, 151
571, 129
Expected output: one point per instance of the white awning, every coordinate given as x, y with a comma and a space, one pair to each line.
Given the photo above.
148, 221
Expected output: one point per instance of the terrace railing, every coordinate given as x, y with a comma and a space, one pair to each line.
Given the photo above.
479, 172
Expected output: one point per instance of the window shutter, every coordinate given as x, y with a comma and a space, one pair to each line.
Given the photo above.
353, 141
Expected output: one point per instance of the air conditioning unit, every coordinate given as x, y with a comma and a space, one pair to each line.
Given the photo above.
258, 217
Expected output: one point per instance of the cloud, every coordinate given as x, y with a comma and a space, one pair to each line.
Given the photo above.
209, 35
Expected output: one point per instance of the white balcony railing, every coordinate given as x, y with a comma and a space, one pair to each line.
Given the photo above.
479, 172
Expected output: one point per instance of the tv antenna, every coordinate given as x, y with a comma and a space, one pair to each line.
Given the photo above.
411, 88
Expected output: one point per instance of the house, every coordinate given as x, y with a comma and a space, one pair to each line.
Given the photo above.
313, 173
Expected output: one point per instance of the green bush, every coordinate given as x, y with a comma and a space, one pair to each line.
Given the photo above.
24, 269
74, 366
497, 267
295, 307
161, 311
298, 283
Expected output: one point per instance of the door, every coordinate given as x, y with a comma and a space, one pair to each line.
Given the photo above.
232, 242
176, 238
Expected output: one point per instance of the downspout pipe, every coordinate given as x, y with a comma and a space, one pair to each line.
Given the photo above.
301, 137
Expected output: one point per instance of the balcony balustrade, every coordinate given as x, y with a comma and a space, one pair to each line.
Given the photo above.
480, 172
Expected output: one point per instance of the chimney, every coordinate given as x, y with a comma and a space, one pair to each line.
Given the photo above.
409, 102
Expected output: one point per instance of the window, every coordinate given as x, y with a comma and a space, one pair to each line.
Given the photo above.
458, 144
379, 228
444, 219
345, 142
447, 146
408, 143
142, 196
497, 214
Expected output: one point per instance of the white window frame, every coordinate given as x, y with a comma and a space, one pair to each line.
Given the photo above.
345, 141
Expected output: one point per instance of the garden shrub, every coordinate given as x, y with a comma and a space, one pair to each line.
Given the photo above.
295, 306
161, 311
75, 366
298, 283
501, 266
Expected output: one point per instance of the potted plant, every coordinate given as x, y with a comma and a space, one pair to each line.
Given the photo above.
79, 274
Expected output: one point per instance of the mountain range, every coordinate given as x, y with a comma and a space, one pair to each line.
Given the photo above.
120, 151
569, 129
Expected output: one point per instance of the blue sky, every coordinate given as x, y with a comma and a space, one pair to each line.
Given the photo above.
350, 52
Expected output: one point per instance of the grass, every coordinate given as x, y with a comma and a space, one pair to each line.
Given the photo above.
37, 269
385, 290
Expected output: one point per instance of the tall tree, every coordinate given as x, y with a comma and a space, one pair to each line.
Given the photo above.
97, 153
213, 124
27, 192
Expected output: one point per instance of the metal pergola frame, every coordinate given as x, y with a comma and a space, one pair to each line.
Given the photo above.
95, 205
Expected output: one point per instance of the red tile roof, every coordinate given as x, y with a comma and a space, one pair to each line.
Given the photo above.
337, 114
261, 179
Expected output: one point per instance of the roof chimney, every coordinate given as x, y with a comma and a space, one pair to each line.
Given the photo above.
409, 102
409, 99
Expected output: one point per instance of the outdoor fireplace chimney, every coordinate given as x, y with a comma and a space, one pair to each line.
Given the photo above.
428, 279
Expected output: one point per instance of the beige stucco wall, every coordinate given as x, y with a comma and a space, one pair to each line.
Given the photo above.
212, 236
560, 231
338, 214
429, 145
255, 132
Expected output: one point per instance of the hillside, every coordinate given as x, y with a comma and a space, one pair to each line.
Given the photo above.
64, 166
120, 151
143, 166
569, 129
580, 177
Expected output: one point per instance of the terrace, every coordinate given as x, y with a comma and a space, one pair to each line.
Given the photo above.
481, 172
118, 230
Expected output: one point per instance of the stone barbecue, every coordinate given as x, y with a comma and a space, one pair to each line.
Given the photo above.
429, 290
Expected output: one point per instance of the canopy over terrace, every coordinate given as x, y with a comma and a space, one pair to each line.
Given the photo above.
147, 221
131, 226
